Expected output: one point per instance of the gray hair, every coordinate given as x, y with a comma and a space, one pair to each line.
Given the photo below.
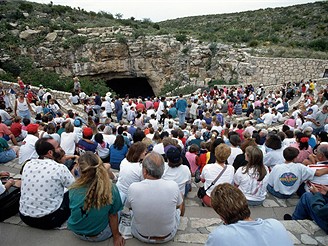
154, 165
108, 130
323, 149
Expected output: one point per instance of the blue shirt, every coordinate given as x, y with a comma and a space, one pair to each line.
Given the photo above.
181, 105
173, 112
245, 233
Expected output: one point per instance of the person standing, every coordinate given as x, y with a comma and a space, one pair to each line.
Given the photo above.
181, 106
118, 109
22, 107
77, 85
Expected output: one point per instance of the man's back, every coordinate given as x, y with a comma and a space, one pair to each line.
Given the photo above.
154, 204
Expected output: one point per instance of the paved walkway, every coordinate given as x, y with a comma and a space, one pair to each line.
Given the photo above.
194, 228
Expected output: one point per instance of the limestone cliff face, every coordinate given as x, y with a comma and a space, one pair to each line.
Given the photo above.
113, 53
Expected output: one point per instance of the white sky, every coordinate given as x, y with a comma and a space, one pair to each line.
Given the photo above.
158, 10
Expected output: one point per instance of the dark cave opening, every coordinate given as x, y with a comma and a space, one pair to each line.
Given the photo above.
135, 87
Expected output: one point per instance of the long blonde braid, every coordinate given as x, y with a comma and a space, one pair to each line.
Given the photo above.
95, 176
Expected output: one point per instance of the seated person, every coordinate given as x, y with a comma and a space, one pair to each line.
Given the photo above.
312, 205
322, 163
238, 227
7, 153
6, 133
9, 196
174, 170
44, 203
211, 172
160, 223
94, 202
285, 179
85, 143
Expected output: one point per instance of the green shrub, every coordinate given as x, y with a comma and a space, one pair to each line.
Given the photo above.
253, 43
319, 45
181, 38
213, 48
28, 7
121, 38
75, 42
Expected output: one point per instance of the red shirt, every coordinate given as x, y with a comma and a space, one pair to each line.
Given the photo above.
4, 130
156, 104
16, 129
21, 84
140, 107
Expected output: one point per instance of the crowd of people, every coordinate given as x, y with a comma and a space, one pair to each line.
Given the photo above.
157, 145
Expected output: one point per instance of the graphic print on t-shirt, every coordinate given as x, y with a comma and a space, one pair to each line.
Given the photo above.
288, 179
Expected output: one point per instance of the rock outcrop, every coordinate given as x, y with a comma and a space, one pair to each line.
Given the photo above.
114, 52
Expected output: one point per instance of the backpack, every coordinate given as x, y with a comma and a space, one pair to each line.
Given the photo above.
9, 203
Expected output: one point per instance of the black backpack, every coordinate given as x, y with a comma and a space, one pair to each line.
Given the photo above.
9, 203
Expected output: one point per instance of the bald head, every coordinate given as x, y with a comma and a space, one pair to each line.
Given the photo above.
153, 163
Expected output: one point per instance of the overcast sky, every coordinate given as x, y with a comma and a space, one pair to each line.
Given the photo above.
158, 10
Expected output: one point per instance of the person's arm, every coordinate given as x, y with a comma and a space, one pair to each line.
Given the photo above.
15, 108
29, 106
113, 223
321, 171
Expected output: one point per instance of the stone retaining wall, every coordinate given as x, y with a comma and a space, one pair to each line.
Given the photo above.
280, 70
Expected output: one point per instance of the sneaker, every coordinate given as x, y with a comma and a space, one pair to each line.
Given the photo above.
288, 217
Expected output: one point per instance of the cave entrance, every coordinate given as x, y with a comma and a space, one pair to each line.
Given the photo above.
135, 87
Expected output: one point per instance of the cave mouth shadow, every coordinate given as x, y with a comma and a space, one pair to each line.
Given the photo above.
135, 87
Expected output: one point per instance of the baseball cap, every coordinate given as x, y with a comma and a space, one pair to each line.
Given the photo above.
87, 132
173, 154
77, 122
32, 128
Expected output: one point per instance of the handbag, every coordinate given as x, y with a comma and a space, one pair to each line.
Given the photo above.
202, 192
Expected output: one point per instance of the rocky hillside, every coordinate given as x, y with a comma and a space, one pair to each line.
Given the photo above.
48, 44
302, 26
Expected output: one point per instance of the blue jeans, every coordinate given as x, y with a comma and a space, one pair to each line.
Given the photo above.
7, 155
25, 114
119, 115
304, 210
182, 117
102, 236
259, 120
254, 203
276, 193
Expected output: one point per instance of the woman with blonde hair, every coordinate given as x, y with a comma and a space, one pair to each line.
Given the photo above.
211, 172
252, 179
94, 202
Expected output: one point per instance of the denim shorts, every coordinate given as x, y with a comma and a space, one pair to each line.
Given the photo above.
7, 155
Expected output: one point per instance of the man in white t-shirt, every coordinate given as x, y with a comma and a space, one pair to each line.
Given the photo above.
266, 118
154, 203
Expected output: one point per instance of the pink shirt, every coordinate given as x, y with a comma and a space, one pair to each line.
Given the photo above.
191, 157
304, 153
290, 122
